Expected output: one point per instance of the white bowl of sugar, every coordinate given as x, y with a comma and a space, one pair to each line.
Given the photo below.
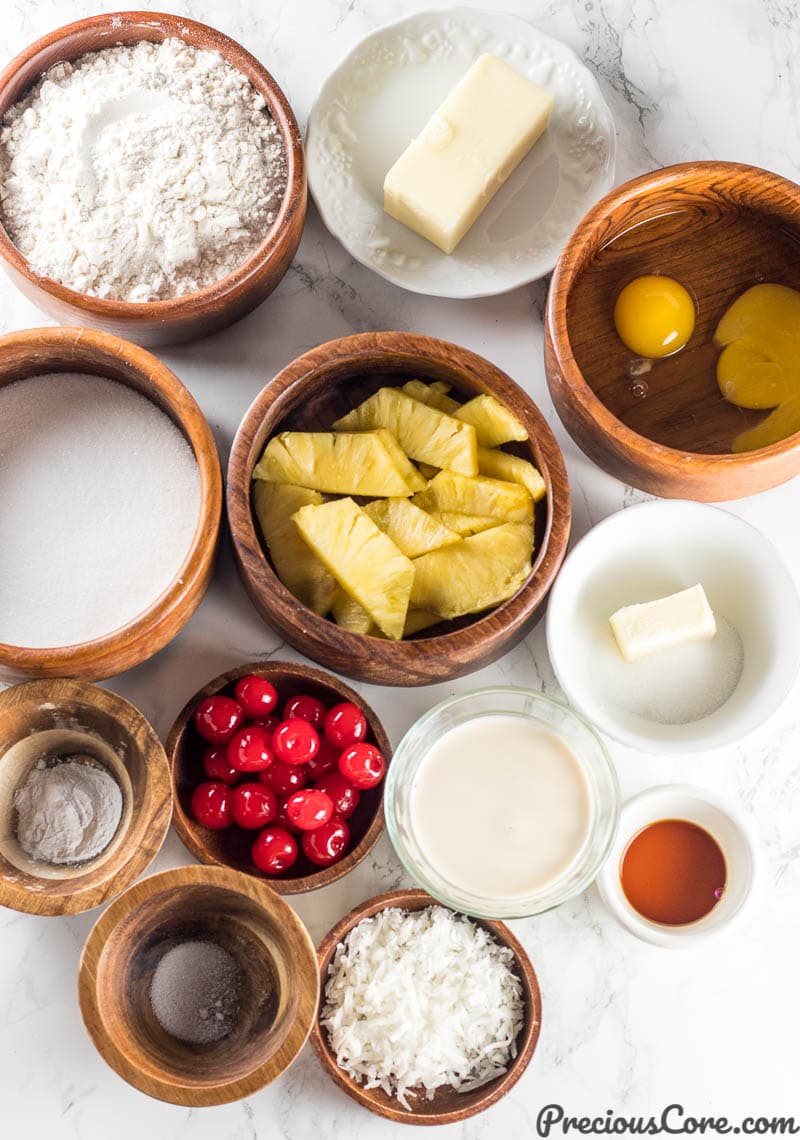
693, 697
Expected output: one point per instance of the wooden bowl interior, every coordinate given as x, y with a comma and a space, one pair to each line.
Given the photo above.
717, 237
64, 718
231, 848
268, 995
446, 1106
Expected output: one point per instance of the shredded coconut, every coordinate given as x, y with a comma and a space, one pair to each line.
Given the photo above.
67, 812
140, 172
416, 1000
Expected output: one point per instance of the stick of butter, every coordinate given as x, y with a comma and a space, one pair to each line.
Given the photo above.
485, 127
674, 620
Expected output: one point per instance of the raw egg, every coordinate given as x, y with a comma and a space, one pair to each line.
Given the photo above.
654, 316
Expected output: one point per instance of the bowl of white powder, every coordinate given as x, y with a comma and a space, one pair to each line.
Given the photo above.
152, 178
110, 504
85, 800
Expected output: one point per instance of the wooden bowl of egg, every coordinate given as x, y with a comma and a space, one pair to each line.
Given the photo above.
110, 504
85, 798
232, 845
399, 508
198, 986
671, 335
210, 288
471, 971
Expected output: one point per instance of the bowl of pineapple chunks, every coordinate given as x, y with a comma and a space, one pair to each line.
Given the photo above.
399, 508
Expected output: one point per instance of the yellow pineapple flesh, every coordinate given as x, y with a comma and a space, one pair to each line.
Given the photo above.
493, 423
295, 564
434, 394
417, 620
346, 463
348, 614
411, 529
363, 560
496, 498
424, 433
500, 465
465, 525
477, 573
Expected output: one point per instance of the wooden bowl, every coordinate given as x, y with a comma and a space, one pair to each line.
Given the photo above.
231, 848
447, 1105
278, 984
38, 351
196, 314
63, 718
721, 227
310, 394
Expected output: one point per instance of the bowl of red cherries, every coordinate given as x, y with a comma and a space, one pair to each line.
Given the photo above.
277, 771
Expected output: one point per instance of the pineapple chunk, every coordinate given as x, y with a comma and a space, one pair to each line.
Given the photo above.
427, 471
479, 572
417, 620
493, 423
501, 465
363, 560
351, 616
411, 529
423, 432
480, 496
465, 525
434, 394
354, 463
297, 567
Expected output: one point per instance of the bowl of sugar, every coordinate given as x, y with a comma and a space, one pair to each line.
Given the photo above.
110, 502
152, 178
675, 627
85, 797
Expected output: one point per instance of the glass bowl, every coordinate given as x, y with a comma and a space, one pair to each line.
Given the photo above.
587, 748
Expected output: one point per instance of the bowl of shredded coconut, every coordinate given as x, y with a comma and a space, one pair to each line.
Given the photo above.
152, 179
426, 1016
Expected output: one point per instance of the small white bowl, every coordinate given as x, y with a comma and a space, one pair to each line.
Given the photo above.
381, 95
649, 551
732, 833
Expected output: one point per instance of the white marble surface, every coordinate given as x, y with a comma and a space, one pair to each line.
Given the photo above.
626, 1027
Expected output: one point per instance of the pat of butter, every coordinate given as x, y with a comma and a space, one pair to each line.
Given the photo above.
674, 620
484, 128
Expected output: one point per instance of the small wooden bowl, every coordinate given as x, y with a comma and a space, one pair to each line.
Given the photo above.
64, 718
722, 228
231, 848
38, 351
310, 394
447, 1105
279, 984
196, 314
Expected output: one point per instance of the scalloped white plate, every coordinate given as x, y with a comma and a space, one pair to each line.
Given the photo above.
382, 94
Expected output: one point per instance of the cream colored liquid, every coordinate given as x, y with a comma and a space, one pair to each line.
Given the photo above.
500, 807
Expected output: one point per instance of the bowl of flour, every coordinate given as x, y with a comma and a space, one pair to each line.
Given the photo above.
152, 179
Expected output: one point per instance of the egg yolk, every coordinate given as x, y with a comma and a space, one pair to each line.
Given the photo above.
654, 316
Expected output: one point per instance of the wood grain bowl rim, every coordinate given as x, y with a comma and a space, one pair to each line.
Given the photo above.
742, 185
154, 627
414, 899
171, 1090
401, 662
102, 30
276, 671
154, 811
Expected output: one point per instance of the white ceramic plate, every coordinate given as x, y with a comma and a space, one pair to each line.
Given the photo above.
382, 94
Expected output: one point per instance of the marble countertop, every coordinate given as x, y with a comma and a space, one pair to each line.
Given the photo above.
626, 1026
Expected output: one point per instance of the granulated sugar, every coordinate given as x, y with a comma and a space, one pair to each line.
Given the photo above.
195, 992
99, 499
140, 172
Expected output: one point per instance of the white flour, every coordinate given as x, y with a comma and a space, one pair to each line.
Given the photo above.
140, 172
67, 812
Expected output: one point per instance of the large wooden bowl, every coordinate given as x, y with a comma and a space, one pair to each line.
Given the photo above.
278, 991
38, 351
447, 1105
196, 314
723, 228
310, 394
63, 718
231, 847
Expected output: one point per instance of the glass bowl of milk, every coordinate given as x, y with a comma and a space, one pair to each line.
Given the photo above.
502, 803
